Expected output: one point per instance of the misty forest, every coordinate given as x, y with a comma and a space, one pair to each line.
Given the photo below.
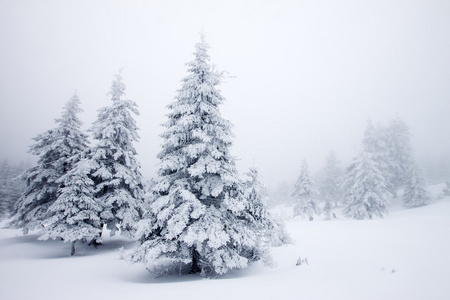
286, 202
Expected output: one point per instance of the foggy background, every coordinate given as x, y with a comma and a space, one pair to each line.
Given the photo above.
307, 75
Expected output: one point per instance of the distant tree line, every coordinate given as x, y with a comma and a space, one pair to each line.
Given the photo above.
384, 165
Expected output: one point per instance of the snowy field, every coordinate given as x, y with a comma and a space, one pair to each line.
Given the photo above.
403, 256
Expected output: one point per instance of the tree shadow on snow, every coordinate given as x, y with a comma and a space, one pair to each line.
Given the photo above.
140, 275
19, 239
29, 247
143, 276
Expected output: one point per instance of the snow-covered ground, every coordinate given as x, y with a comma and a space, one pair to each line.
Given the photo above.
403, 256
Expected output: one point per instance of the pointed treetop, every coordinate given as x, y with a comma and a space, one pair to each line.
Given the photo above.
304, 166
69, 115
117, 87
201, 55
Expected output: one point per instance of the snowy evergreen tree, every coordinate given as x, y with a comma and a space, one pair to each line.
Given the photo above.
54, 148
399, 151
305, 195
75, 215
365, 189
5, 175
331, 183
115, 169
327, 210
415, 193
375, 142
11, 186
268, 226
198, 220
365, 194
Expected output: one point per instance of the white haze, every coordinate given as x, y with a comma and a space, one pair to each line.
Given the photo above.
306, 75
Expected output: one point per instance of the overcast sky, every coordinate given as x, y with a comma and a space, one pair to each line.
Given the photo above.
308, 75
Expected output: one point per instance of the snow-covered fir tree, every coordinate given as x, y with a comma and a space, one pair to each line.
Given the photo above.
75, 215
55, 147
375, 142
11, 186
399, 152
305, 195
268, 226
114, 168
197, 220
327, 210
5, 175
415, 193
365, 189
365, 193
331, 183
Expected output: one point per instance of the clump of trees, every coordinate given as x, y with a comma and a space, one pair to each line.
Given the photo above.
196, 216
75, 189
384, 165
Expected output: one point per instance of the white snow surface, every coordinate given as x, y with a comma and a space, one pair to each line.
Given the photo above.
402, 256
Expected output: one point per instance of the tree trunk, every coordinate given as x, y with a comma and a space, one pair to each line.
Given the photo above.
72, 251
195, 268
96, 240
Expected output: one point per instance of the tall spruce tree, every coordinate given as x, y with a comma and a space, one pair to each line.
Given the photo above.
365, 189
115, 170
305, 195
197, 220
55, 147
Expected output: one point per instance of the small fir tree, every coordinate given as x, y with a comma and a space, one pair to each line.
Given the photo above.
327, 210
399, 153
269, 227
11, 187
75, 215
375, 142
415, 193
198, 221
5, 171
305, 195
54, 148
366, 194
116, 173
330, 187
